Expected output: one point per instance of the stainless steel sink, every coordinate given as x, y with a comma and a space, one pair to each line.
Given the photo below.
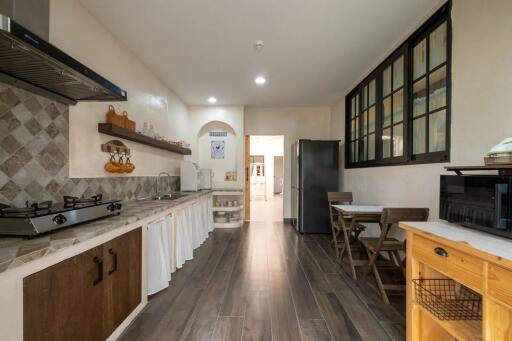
169, 196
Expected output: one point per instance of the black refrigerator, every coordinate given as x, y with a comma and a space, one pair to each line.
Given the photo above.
315, 171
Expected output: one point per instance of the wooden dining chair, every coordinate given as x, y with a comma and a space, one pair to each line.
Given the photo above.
392, 246
337, 227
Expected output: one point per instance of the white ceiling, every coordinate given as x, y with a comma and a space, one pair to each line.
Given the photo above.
314, 49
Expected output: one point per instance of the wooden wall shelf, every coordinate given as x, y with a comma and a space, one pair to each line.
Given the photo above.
113, 130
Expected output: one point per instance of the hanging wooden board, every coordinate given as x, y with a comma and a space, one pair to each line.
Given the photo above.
115, 146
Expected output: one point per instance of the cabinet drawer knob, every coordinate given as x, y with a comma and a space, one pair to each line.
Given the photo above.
99, 263
441, 252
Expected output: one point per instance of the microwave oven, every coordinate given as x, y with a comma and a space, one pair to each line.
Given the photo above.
482, 202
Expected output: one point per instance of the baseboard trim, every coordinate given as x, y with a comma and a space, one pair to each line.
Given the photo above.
288, 220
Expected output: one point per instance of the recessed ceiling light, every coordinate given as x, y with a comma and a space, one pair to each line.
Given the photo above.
212, 100
260, 80
258, 45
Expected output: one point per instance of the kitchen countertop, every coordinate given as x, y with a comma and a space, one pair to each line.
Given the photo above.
484, 242
16, 251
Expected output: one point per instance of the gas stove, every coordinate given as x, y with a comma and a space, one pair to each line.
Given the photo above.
38, 218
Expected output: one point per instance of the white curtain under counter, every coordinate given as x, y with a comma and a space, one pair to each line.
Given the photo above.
171, 241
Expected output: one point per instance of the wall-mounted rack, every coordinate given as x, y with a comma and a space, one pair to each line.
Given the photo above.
113, 130
502, 169
115, 147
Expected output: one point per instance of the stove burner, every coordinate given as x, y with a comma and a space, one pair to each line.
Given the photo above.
72, 201
33, 208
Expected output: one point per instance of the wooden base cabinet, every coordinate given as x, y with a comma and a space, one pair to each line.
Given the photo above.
431, 256
85, 297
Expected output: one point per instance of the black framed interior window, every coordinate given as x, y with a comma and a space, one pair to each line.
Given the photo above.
394, 109
368, 140
401, 112
429, 94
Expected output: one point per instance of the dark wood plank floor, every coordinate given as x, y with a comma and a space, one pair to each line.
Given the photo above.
266, 282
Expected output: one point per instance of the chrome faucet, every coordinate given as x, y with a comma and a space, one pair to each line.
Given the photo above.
158, 183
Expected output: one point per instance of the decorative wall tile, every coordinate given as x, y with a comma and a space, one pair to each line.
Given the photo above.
34, 156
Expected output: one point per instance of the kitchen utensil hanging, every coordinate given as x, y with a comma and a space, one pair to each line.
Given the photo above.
119, 150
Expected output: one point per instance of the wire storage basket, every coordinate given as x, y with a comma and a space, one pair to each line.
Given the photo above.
447, 299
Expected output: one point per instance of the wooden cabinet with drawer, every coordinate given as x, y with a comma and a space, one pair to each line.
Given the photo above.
449, 261
499, 283
448, 253
87, 296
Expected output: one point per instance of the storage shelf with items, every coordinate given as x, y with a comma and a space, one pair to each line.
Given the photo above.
114, 130
121, 126
228, 208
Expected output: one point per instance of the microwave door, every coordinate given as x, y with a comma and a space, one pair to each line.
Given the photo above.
501, 207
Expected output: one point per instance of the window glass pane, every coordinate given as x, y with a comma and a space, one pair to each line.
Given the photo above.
398, 106
371, 95
437, 131
398, 73
398, 140
353, 106
353, 151
386, 112
419, 97
364, 157
438, 45
365, 123
353, 130
386, 81
437, 89
418, 135
386, 143
357, 128
419, 59
365, 98
357, 104
371, 119
371, 147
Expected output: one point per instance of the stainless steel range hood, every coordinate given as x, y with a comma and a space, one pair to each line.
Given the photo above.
30, 62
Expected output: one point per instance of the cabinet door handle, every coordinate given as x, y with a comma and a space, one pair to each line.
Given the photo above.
99, 263
114, 261
441, 252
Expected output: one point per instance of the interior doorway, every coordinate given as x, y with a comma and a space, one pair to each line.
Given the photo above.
266, 177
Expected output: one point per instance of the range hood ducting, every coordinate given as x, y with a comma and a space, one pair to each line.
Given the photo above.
30, 62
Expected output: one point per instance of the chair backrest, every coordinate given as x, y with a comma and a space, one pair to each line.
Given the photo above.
392, 216
340, 197
337, 198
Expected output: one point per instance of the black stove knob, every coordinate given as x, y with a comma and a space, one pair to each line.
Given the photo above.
118, 205
111, 208
59, 219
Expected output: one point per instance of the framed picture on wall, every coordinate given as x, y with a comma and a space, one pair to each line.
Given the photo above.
218, 149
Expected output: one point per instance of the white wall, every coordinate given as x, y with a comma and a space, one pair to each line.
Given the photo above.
219, 167
74, 30
481, 88
293, 123
233, 116
268, 146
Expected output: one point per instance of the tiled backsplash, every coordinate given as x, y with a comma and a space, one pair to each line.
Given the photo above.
34, 155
